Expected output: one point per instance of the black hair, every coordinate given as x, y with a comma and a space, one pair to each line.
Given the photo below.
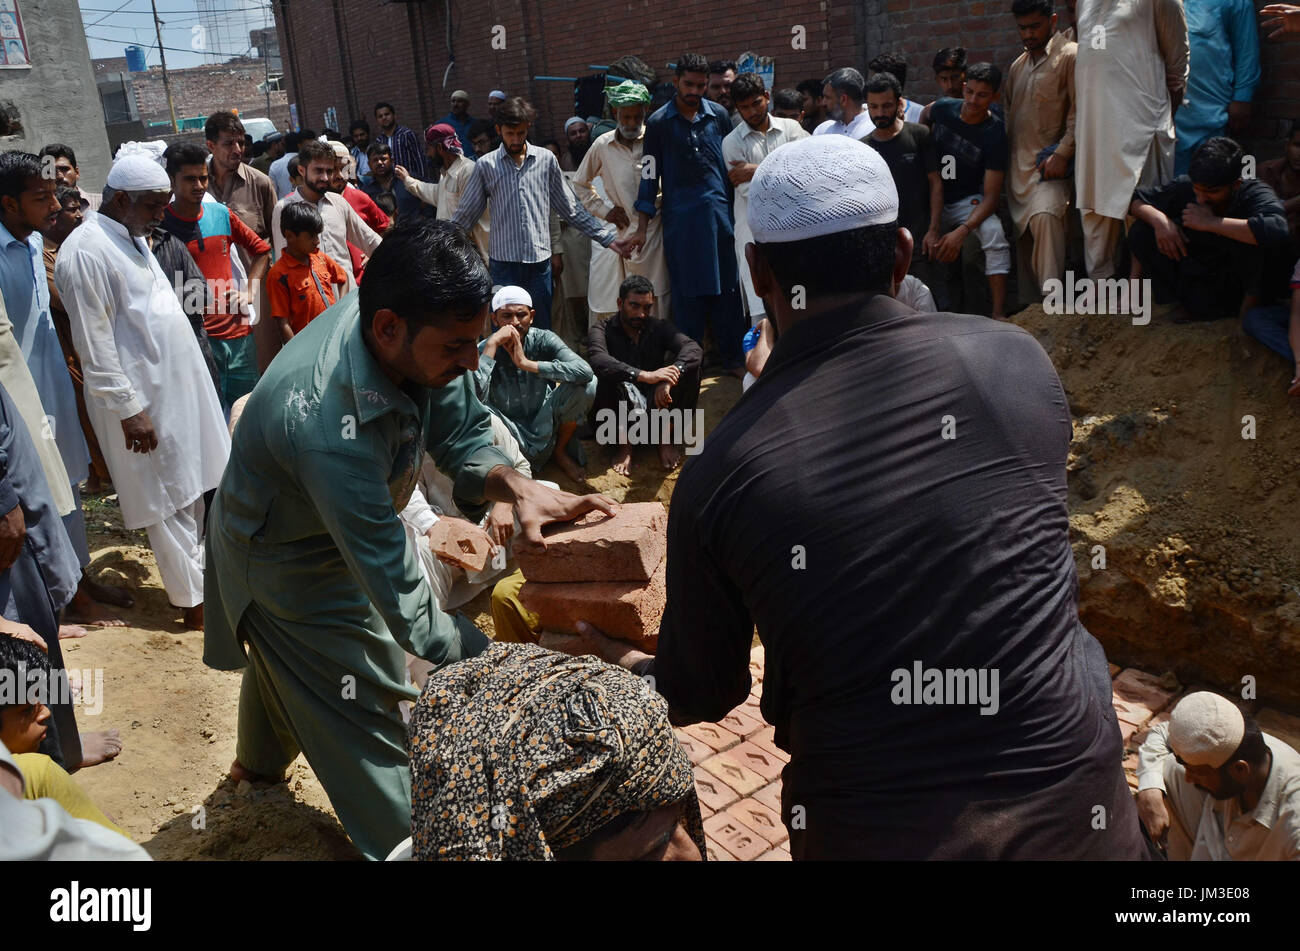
1022, 8
1252, 747
746, 86
17, 169
315, 149
885, 82
1217, 162
846, 80
65, 192
950, 57
223, 121
811, 87
984, 73
385, 105
787, 99
179, 154
515, 111
17, 657
720, 66
359, 124
426, 272
378, 148
300, 216
691, 63
332, 135
846, 262
59, 150
895, 63
293, 167
479, 127
635, 284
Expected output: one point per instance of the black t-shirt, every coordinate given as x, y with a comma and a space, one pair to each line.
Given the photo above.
1254, 201
910, 157
976, 149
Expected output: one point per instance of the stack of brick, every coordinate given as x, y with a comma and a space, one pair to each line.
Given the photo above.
607, 571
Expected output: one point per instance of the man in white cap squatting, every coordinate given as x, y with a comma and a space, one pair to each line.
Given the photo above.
164, 436
537, 386
1214, 787
929, 677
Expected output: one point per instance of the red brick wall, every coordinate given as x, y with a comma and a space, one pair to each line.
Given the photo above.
397, 51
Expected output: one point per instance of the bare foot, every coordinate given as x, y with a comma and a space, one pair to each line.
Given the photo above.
669, 456
623, 461
569, 467
108, 593
69, 631
99, 747
193, 619
239, 772
82, 609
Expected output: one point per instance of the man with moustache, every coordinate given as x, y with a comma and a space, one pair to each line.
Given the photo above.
578, 135
722, 73
743, 149
315, 591
446, 156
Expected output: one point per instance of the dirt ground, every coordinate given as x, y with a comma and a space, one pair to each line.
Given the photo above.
169, 788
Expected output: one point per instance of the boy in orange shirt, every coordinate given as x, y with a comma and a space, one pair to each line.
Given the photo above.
301, 284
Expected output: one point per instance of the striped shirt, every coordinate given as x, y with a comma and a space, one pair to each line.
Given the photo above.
522, 200
407, 151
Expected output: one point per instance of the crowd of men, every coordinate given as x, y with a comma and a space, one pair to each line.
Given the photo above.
400, 330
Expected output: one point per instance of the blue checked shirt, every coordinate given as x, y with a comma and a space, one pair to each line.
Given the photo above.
407, 151
522, 199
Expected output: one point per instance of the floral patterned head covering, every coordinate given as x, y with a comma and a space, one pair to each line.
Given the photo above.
521, 751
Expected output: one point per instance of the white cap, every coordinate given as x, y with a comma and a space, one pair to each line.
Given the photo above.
823, 184
138, 173
496, 94
1205, 729
510, 294
571, 120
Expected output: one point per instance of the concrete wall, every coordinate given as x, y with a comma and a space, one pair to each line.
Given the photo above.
351, 53
56, 97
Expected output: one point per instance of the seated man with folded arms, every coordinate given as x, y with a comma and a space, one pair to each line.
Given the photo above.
1214, 242
643, 361
534, 383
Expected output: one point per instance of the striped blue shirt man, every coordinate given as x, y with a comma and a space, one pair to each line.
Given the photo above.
523, 195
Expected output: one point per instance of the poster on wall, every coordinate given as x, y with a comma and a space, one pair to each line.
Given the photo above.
293, 117
13, 41
331, 118
753, 63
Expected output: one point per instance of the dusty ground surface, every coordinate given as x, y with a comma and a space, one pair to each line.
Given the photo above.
1200, 577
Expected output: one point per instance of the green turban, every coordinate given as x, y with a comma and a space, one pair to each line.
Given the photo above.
627, 93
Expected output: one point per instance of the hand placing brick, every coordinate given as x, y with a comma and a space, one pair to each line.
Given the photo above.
628, 546
460, 543
629, 611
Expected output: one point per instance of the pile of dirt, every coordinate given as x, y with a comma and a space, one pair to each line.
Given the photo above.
1183, 497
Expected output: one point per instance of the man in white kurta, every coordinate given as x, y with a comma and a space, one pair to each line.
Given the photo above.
743, 149
1130, 73
606, 183
161, 428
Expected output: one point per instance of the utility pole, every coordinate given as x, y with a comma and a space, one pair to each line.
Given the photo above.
157, 29
266, 60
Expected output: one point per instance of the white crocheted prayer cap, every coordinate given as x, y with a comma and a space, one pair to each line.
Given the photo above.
820, 185
138, 173
510, 294
1205, 729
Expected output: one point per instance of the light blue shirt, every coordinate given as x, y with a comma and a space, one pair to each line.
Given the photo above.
27, 299
1223, 67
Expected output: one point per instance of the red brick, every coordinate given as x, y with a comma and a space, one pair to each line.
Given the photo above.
770, 796
712, 791
717, 853
757, 759
1114, 669
751, 708
758, 817
734, 773
765, 739
741, 724
626, 547
628, 610
735, 837
695, 749
1137, 687
775, 855
705, 811
715, 737
449, 539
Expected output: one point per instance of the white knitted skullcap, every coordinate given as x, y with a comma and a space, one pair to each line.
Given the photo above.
138, 173
823, 184
1205, 729
510, 295
572, 120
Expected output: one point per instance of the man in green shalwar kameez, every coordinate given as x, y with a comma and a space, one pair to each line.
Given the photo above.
313, 589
